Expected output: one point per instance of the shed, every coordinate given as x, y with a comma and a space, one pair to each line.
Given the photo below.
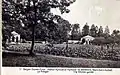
87, 39
15, 38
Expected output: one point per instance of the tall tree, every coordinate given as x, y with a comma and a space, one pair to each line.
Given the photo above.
29, 12
64, 29
75, 31
100, 31
85, 30
75, 27
106, 32
96, 30
79, 33
93, 30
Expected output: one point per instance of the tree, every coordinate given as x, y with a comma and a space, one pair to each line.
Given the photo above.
116, 36
93, 30
100, 31
75, 27
85, 30
115, 32
64, 29
79, 33
96, 30
75, 31
107, 31
34, 12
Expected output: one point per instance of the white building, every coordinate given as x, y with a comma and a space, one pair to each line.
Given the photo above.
87, 39
15, 38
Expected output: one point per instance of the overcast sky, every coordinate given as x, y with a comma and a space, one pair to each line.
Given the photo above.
98, 12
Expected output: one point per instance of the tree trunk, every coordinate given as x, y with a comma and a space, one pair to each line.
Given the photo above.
67, 43
33, 30
101, 47
33, 39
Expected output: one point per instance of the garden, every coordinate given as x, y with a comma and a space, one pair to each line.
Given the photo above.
74, 50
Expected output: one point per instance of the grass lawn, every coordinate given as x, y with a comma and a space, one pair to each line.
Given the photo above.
42, 60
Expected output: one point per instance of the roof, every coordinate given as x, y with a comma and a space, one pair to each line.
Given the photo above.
14, 33
88, 37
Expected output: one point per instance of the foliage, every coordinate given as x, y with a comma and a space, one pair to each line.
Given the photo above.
32, 13
75, 32
100, 32
85, 30
20, 15
107, 31
93, 30
87, 51
115, 32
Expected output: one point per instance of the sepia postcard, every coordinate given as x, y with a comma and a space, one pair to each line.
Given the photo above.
60, 37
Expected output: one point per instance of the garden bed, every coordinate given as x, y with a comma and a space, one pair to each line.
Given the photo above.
74, 50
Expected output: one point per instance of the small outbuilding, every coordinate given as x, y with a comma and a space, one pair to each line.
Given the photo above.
87, 39
15, 37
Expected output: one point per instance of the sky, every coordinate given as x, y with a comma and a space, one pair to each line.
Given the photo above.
99, 12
